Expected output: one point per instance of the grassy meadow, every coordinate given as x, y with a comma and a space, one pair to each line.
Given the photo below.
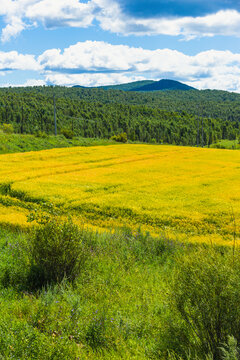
119, 252
189, 194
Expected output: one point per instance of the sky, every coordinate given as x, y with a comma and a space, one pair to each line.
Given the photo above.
103, 42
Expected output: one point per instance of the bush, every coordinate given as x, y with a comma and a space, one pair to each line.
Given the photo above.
67, 133
120, 137
205, 295
7, 128
58, 252
41, 134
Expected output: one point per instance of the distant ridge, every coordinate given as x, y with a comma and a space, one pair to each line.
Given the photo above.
145, 85
128, 86
79, 86
164, 84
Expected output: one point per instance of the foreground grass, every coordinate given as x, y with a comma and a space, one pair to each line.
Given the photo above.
111, 311
13, 143
135, 298
191, 194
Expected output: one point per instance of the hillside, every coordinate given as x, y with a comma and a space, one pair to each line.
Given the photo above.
145, 85
163, 85
162, 116
128, 86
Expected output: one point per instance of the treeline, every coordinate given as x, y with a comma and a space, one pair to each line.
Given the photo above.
175, 117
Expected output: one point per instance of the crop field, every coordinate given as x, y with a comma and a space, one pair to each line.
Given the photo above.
189, 194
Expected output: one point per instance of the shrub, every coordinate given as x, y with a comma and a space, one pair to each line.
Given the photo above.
205, 294
41, 134
120, 137
67, 133
7, 128
57, 252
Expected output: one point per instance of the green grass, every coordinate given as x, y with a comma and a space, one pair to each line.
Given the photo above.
135, 298
109, 312
13, 143
227, 144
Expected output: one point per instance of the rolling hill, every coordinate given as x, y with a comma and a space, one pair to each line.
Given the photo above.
164, 84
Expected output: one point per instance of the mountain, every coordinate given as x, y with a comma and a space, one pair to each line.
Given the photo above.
144, 85
128, 86
164, 84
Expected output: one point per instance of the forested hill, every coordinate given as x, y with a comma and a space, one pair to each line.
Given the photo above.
169, 116
149, 85
163, 85
132, 86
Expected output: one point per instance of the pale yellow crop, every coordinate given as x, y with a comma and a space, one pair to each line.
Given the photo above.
186, 193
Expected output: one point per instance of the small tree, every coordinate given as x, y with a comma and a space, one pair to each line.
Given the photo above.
120, 137
57, 250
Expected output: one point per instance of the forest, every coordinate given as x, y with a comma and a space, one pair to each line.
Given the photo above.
174, 117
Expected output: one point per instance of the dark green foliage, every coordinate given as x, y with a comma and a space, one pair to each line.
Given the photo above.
128, 86
205, 293
163, 84
7, 128
120, 137
57, 251
41, 134
230, 350
168, 116
69, 134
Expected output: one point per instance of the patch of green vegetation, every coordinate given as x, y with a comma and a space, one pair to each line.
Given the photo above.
133, 296
12, 143
226, 144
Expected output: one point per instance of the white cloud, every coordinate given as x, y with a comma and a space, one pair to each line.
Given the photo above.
94, 63
12, 60
90, 79
21, 14
62, 13
29, 82
94, 55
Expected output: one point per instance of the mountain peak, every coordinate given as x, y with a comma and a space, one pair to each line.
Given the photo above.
164, 84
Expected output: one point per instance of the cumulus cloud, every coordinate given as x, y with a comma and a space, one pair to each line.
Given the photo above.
12, 60
91, 80
95, 63
110, 16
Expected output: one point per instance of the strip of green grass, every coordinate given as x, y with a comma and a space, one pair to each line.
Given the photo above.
12, 143
227, 144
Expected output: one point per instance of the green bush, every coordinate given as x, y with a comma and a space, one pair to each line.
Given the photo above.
7, 128
205, 296
120, 137
41, 134
57, 252
67, 133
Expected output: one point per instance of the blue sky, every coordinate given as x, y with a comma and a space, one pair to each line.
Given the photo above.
99, 42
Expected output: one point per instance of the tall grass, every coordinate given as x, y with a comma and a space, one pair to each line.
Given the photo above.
133, 296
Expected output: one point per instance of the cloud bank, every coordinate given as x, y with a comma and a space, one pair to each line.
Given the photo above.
216, 17
95, 63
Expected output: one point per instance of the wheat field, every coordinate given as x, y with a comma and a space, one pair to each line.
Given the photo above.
188, 194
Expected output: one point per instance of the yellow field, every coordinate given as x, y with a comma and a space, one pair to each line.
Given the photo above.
187, 193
